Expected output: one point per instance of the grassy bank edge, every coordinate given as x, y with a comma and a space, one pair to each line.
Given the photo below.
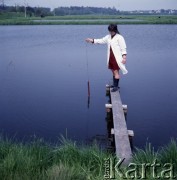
19, 20
68, 160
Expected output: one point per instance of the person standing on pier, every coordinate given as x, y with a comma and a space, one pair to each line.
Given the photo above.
116, 54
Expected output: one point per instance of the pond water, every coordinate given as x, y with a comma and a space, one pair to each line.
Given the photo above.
43, 79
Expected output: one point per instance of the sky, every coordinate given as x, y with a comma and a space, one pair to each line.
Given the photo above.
118, 4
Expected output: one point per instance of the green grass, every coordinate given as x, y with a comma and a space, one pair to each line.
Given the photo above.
19, 19
38, 160
11, 15
66, 160
164, 155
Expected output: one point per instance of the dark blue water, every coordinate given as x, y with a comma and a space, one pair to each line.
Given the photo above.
43, 82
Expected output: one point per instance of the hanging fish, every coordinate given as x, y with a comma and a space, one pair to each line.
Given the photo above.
88, 101
88, 84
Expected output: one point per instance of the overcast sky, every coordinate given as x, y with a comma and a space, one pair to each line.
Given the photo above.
118, 4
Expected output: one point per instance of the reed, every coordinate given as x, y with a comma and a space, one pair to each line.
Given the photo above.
38, 160
67, 160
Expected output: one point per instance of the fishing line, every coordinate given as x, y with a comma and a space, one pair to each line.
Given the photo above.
86, 53
88, 82
88, 89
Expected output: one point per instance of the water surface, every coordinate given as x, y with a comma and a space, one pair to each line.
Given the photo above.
43, 79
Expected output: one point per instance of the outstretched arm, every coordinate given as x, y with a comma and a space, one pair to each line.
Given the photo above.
103, 40
89, 40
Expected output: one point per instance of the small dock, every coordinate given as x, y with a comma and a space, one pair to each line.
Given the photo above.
120, 131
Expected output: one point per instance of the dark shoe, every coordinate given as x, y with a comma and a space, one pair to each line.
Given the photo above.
114, 89
115, 83
112, 86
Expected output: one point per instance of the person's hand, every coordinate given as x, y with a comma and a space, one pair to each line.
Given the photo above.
89, 40
124, 59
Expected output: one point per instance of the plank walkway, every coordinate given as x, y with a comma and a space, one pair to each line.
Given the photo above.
122, 143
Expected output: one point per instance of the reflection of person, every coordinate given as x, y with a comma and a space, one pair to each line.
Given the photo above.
116, 55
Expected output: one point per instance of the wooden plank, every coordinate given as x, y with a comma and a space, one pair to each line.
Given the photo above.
123, 149
107, 86
130, 132
108, 106
124, 106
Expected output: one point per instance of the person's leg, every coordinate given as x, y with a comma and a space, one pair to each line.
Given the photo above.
116, 78
113, 78
116, 74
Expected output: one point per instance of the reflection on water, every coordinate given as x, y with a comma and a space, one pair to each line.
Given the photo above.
11, 66
43, 79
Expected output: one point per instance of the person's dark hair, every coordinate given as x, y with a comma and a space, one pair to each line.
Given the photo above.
113, 27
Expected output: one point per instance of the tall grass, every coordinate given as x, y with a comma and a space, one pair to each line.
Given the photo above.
38, 160
164, 155
66, 160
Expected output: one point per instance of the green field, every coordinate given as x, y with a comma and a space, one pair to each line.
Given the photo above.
19, 19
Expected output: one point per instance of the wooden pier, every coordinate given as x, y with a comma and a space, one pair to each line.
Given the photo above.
120, 131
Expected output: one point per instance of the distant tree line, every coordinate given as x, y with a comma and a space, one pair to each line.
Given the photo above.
75, 10
30, 11
60, 11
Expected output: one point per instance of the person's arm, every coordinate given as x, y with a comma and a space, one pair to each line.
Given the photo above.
90, 40
124, 58
123, 49
103, 40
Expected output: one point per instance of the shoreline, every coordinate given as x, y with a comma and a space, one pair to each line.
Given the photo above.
88, 20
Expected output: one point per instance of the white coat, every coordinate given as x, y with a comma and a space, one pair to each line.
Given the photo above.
118, 45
